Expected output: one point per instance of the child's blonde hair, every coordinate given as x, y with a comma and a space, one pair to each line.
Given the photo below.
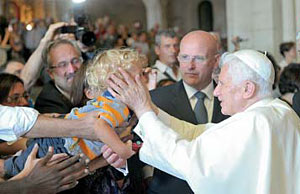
108, 62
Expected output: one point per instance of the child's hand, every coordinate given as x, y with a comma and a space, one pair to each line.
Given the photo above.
112, 158
150, 77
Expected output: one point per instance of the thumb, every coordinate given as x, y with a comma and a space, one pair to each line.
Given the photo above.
34, 151
48, 156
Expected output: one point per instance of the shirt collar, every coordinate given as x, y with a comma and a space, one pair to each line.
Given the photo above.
208, 91
161, 66
260, 103
62, 92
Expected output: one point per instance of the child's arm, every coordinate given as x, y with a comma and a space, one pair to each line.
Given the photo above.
108, 136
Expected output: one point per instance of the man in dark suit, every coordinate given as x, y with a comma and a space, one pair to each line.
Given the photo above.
63, 58
198, 58
296, 103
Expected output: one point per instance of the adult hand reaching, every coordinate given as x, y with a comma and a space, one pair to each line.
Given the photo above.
54, 176
131, 92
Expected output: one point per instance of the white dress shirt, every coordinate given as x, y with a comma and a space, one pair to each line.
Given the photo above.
16, 121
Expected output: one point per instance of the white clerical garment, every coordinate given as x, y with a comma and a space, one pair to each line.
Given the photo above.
253, 152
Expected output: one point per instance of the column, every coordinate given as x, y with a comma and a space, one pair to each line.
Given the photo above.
288, 20
154, 13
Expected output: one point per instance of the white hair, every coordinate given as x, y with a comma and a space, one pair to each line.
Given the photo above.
240, 72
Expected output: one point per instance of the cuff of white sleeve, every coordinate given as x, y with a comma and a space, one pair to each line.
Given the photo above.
142, 121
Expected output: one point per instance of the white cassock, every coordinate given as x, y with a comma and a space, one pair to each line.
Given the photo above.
253, 152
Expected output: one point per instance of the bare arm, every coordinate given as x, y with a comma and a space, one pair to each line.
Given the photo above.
33, 66
6, 38
53, 127
108, 136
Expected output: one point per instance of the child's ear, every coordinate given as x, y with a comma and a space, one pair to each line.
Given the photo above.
89, 93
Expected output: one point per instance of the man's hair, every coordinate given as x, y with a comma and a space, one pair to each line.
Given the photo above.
166, 33
108, 62
7, 82
286, 47
53, 44
289, 81
240, 71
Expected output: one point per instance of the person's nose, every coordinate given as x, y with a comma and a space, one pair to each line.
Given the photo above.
217, 91
192, 64
71, 68
173, 49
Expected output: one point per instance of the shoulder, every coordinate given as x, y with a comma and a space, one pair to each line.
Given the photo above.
167, 90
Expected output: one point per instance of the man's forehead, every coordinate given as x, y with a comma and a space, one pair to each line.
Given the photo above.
193, 49
63, 50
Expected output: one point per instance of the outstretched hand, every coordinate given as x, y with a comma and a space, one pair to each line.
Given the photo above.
131, 92
53, 175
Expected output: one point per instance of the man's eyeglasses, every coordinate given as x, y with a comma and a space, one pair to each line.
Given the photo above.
188, 58
16, 98
64, 64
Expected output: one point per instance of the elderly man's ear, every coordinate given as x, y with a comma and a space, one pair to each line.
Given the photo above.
249, 89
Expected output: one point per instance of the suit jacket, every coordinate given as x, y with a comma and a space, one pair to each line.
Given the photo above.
50, 100
174, 100
296, 103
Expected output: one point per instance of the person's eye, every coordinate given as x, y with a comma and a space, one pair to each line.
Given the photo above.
75, 61
199, 59
185, 57
62, 64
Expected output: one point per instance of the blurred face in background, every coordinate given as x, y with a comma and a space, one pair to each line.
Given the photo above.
14, 68
17, 96
168, 50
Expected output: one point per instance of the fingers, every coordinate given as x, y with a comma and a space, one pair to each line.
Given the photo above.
67, 186
107, 152
120, 163
57, 158
139, 81
48, 156
112, 158
73, 168
74, 176
127, 77
113, 93
34, 151
68, 162
116, 84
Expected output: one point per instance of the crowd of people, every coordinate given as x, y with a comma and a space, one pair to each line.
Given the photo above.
133, 111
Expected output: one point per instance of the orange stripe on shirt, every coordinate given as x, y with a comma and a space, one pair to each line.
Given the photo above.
85, 149
116, 113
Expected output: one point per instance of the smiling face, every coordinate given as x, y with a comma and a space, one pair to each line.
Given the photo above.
229, 94
63, 76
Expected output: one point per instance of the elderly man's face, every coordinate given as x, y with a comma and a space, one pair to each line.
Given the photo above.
229, 94
168, 50
63, 75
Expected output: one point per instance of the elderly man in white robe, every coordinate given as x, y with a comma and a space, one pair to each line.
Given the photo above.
255, 151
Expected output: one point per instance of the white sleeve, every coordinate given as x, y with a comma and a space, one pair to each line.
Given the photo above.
16, 121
